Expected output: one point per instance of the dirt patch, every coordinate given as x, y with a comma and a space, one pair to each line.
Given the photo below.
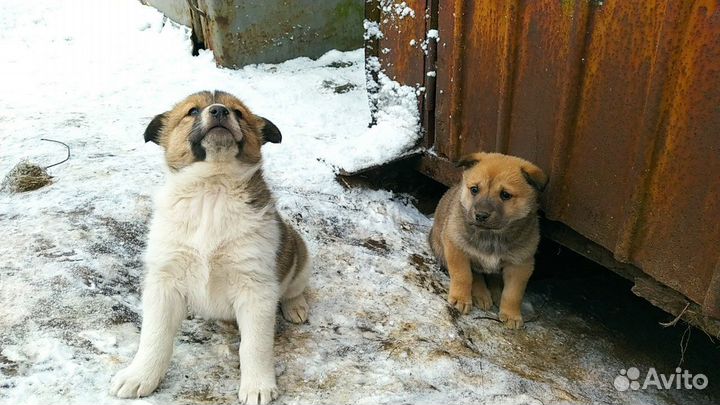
203, 394
338, 88
339, 64
122, 314
88, 277
8, 367
124, 279
334, 228
376, 245
125, 238
424, 276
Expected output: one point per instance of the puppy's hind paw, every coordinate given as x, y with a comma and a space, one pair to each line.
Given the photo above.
295, 309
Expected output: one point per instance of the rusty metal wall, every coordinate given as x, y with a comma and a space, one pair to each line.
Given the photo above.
618, 101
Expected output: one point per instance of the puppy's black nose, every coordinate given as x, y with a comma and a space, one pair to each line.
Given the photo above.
482, 216
218, 111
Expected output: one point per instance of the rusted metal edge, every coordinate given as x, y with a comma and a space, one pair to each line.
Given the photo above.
428, 119
711, 304
197, 30
675, 303
645, 286
437, 168
457, 68
417, 151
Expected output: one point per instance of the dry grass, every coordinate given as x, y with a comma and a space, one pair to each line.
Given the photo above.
25, 176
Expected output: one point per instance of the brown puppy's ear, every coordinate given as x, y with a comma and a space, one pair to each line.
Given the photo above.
270, 132
534, 176
468, 161
152, 132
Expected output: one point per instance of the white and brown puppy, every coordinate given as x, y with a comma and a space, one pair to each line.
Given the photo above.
487, 224
217, 245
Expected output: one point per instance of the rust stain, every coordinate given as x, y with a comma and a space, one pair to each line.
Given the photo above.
684, 192
568, 7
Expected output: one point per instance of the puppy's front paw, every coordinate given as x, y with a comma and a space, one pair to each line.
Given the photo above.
134, 382
295, 309
512, 320
252, 394
482, 298
462, 303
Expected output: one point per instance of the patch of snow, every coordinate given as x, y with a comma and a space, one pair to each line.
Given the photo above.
431, 35
100, 339
401, 10
372, 30
396, 132
396, 9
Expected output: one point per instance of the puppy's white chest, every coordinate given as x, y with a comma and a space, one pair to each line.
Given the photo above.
206, 216
210, 218
221, 236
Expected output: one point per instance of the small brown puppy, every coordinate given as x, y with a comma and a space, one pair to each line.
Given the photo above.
488, 224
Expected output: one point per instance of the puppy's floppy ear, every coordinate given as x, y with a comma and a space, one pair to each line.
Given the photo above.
270, 132
152, 132
468, 161
534, 176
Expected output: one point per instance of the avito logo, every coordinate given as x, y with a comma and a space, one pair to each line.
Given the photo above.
680, 380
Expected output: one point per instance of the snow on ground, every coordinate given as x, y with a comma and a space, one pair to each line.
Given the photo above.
92, 74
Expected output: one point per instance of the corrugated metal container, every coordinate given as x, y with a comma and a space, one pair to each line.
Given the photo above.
242, 32
619, 101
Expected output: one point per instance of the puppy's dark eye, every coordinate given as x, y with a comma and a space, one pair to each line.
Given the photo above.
238, 114
474, 190
504, 195
193, 111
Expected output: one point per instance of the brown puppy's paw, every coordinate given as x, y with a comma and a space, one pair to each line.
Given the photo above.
511, 320
482, 298
462, 303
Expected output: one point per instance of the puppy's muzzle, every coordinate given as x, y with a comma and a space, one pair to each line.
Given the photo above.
218, 114
213, 134
487, 220
482, 216
485, 215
